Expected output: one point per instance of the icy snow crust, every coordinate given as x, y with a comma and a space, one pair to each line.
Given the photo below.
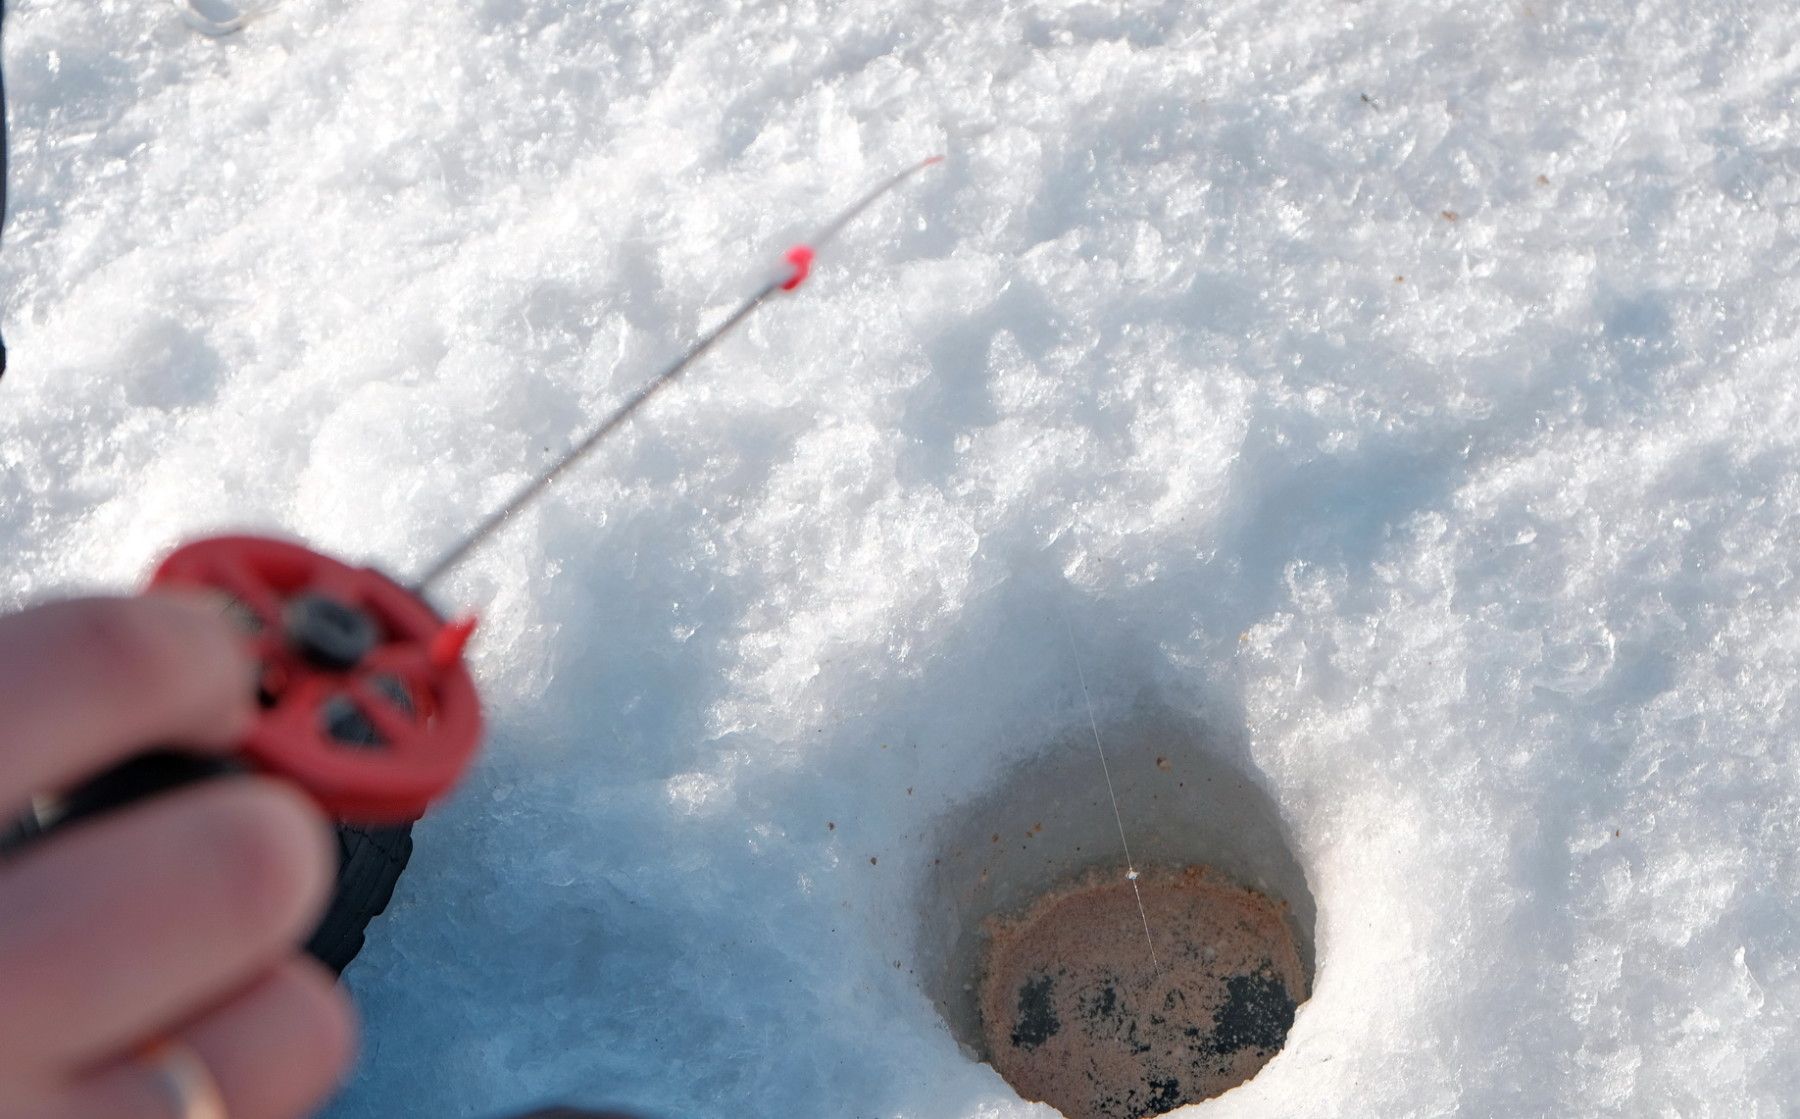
1486, 575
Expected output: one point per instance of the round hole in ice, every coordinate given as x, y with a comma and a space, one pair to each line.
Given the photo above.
1028, 910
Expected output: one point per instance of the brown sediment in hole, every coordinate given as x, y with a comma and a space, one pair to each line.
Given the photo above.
1075, 1015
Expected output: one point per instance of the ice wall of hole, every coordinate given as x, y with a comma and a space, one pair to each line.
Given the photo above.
1182, 803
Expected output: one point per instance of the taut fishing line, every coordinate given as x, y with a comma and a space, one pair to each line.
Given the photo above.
1131, 872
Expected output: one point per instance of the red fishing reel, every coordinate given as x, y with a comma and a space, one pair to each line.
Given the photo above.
366, 702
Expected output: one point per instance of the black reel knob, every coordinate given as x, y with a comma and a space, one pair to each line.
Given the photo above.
329, 633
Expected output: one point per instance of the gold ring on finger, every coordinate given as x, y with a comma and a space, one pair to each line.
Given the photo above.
185, 1077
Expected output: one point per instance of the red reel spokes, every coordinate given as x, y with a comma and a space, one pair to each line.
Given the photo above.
356, 709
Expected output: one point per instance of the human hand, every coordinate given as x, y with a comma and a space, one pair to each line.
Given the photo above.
175, 918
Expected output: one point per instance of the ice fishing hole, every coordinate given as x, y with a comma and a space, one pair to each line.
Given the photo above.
1034, 950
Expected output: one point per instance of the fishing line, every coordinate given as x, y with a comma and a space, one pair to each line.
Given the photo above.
1131, 873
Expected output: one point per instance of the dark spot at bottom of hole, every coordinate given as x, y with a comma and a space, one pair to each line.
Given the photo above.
1258, 1013
1165, 1096
1037, 1018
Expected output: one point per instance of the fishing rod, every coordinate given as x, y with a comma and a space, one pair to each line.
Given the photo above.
365, 699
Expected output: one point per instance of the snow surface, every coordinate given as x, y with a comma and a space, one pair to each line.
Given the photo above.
1487, 574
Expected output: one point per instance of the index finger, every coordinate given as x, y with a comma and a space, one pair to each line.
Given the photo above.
89, 682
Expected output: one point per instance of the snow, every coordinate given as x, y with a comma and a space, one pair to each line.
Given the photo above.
1471, 539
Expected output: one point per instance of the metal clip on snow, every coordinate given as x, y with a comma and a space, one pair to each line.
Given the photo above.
367, 703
